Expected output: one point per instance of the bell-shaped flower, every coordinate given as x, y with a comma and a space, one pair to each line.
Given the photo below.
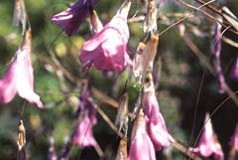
83, 135
234, 70
156, 125
18, 78
107, 50
208, 145
141, 144
71, 19
234, 142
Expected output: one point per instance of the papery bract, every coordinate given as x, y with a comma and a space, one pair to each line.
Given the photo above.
107, 50
95, 22
20, 15
144, 58
18, 78
156, 125
71, 19
122, 150
208, 144
141, 145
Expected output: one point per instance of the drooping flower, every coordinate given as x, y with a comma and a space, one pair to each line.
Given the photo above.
83, 136
18, 78
156, 125
141, 145
234, 70
71, 19
107, 50
234, 144
208, 144
217, 59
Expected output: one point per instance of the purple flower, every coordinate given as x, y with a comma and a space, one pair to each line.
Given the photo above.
234, 71
83, 136
234, 140
18, 78
156, 125
107, 50
73, 17
208, 144
217, 62
141, 145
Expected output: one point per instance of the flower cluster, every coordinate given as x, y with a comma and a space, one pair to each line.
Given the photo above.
150, 133
107, 49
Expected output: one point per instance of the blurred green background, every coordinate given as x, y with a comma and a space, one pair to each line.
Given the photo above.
178, 89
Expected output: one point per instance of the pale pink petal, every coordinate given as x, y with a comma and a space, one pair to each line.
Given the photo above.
8, 84
84, 135
142, 148
141, 145
156, 125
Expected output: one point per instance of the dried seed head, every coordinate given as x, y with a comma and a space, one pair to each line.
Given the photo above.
122, 150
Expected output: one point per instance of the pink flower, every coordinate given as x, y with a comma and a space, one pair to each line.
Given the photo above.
107, 50
234, 71
141, 145
83, 136
234, 140
73, 17
208, 144
18, 78
156, 124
